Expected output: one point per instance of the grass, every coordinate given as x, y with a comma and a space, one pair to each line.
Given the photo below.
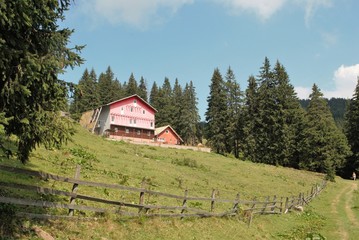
172, 171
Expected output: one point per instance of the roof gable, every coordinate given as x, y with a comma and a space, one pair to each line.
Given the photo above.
132, 96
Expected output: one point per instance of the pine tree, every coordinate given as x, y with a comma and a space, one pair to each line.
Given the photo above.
164, 104
132, 86
269, 125
105, 84
250, 121
216, 114
177, 99
154, 95
291, 120
326, 146
352, 133
88, 98
142, 89
117, 91
189, 115
33, 52
234, 103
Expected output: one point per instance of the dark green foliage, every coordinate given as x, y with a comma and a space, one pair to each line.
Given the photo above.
105, 87
188, 117
273, 120
352, 133
337, 107
325, 146
33, 52
250, 120
234, 108
216, 114
131, 86
142, 89
87, 97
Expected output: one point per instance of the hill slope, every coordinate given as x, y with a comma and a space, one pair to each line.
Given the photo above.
171, 171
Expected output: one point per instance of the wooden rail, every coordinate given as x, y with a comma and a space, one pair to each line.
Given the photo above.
238, 207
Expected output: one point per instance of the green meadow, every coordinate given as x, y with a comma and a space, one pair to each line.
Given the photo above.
332, 215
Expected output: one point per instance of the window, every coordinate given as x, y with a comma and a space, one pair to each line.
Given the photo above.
127, 130
144, 112
131, 121
166, 131
112, 118
151, 124
134, 121
131, 109
122, 110
135, 101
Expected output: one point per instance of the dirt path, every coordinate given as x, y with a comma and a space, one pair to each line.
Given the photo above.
346, 196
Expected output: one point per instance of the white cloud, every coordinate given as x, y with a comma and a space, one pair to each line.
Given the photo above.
345, 80
311, 6
138, 13
144, 13
264, 9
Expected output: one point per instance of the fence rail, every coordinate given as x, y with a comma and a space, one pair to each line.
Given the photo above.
236, 206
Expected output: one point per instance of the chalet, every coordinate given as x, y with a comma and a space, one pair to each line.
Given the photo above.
130, 118
167, 135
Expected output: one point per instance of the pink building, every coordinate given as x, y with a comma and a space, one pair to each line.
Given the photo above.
130, 117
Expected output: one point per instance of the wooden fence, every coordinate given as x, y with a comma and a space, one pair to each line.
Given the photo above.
234, 207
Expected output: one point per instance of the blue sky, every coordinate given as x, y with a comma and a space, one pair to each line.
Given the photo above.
316, 40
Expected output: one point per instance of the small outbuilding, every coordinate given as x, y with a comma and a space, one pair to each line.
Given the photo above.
167, 135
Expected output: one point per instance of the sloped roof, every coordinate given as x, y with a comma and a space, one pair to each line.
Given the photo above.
135, 95
159, 130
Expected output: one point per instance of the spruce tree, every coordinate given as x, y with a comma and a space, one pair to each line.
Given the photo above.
88, 98
164, 103
117, 91
326, 146
269, 125
154, 95
250, 121
105, 84
291, 120
216, 114
352, 133
189, 115
33, 53
132, 87
177, 99
142, 89
234, 103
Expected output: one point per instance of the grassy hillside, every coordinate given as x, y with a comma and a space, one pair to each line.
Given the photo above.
171, 171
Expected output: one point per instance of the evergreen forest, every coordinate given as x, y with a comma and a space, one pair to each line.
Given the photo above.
265, 123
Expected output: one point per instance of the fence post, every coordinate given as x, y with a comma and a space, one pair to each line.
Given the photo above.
266, 201
213, 199
74, 189
236, 202
274, 203
142, 196
285, 209
184, 203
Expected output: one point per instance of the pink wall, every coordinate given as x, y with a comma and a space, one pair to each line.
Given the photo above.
132, 112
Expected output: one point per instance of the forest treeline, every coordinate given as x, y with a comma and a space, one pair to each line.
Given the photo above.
265, 123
